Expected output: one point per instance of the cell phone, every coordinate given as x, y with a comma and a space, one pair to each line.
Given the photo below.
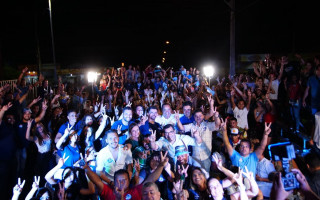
284, 152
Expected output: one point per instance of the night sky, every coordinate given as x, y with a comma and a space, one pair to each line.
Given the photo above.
110, 32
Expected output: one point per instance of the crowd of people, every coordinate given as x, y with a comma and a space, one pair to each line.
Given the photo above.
157, 133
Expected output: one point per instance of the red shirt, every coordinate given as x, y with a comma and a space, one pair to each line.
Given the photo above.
133, 193
294, 91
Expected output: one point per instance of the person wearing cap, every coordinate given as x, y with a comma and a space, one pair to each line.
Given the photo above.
171, 140
234, 137
183, 158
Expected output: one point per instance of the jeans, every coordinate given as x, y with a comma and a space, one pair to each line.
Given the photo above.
295, 112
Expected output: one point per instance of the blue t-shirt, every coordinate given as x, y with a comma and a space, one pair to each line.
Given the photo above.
250, 161
124, 128
65, 125
185, 120
72, 152
314, 84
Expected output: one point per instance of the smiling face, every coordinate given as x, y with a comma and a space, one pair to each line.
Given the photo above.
153, 113
150, 193
154, 162
183, 159
166, 110
198, 178
89, 121
170, 134
187, 111
72, 117
127, 115
215, 188
113, 140
135, 132
139, 111
198, 117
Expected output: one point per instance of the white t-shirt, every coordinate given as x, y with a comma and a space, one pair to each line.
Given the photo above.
106, 162
275, 86
242, 117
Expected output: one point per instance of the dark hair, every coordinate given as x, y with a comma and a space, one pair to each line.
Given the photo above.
165, 104
187, 103
151, 184
70, 111
120, 172
168, 126
312, 160
154, 154
197, 111
233, 118
152, 108
110, 131
40, 138
41, 191
246, 140
126, 108
131, 126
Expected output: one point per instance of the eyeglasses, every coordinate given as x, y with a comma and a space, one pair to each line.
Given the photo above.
169, 132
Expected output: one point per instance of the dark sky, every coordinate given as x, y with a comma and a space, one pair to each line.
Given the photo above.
110, 32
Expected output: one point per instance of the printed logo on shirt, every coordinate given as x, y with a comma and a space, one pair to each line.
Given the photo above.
128, 196
109, 160
20, 126
240, 160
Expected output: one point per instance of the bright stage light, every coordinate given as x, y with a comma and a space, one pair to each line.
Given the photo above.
208, 70
92, 77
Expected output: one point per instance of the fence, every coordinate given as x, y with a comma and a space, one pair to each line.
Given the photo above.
32, 94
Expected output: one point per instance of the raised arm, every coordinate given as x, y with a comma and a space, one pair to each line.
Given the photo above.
267, 130
43, 111
249, 100
154, 176
225, 137
3, 110
28, 137
49, 176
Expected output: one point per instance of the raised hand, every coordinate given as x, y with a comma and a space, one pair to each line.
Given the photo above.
119, 129
18, 188
176, 115
137, 165
152, 137
215, 112
164, 159
267, 129
277, 190
62, 160
119, 190
61, 191
129, 104
127, 93
248, 174
36, 182
29, 123
111, 120
217, 161
224, 124
238, 177
6, 107
183, 171
195, 132
44, 104
36, 100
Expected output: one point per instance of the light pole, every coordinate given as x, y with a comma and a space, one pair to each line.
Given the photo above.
92, 78
52, 42
208, 71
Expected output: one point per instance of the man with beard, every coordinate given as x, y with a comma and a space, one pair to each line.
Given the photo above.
112, 158
151, 124
122, 125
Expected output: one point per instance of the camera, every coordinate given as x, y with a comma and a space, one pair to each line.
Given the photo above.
284, 152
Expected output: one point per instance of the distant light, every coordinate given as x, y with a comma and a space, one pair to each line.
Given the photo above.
163, 61
208, 70
70, 74
164, 52
92, 77
163, 58
122, 64
167, 42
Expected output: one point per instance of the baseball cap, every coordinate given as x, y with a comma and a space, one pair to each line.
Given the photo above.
234, 131
27, 110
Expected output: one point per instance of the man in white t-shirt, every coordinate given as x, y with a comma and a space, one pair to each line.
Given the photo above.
240, 111
112, 158
167, 117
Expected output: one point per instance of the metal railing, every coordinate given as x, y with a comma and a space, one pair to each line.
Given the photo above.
32, 94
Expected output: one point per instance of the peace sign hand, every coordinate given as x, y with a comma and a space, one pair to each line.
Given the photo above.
152, 137
61, 191
248, 174
164, 158
176, 115
267, 129
129, 104
183, 171
18, 188
217, 161
62, 160
137, 165
119, 129
36, 182
224, 124
111, 120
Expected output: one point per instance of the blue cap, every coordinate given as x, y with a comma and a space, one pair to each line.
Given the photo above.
181, 150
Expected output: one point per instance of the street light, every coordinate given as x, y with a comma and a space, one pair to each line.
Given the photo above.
208, 71
92, 78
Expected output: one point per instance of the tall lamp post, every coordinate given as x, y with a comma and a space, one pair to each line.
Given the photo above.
52, 42
92, 78
208, 71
